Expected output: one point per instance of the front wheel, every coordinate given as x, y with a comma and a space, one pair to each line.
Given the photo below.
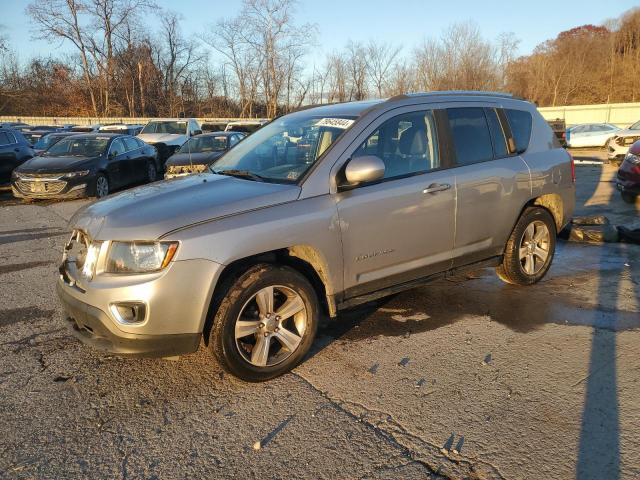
101, 188
530, 248
265, 324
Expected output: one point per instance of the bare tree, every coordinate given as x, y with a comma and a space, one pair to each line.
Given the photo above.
380, 60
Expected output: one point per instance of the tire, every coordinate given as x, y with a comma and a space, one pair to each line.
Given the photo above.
530, 269
152, 172
101, 186
244, 355
628, 197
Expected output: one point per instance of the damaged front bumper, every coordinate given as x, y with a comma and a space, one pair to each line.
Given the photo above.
173, 306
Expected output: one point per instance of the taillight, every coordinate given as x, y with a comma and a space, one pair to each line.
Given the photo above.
573, 168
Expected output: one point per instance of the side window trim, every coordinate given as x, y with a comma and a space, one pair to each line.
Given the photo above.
506, 127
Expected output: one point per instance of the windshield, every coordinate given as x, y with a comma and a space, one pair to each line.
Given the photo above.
635, 126
285, 149
32, 137
204, 145
45, 142
79, 147
172, 127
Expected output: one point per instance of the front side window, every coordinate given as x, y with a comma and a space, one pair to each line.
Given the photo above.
170, 127
79, 147
130, 144
117, 147
471, 136
283, 150
407, 144
520, 122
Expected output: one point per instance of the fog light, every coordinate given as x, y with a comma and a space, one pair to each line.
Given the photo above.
129, 312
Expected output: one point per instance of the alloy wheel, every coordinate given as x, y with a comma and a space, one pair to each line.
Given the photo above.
271, 326
534, 247
102, 187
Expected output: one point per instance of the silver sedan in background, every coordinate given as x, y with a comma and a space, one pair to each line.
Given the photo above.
590, 135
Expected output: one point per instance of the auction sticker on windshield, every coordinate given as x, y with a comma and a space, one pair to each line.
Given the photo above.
343, 123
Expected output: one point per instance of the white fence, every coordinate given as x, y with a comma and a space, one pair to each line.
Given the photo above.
103, 120
621, 114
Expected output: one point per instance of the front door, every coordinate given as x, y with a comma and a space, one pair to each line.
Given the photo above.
402, 227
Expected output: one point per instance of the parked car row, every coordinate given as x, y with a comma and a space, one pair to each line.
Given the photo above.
74, 161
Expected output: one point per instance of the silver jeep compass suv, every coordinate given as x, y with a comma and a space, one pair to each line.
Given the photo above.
319, 210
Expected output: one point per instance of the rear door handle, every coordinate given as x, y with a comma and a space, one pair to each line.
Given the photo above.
437, 187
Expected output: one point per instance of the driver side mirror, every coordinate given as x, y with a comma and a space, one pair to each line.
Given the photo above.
196, 132
365, 169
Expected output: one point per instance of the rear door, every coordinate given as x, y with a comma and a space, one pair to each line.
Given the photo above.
117, 166
491, 181
136, 161
400, 228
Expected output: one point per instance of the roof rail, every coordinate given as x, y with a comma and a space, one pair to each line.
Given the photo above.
470, 93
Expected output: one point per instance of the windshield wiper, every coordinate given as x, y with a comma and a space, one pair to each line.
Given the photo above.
240, 174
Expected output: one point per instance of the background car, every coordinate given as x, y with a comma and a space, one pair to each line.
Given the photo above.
559, 128
209, 127
13, 125
14, 151
200, 152
169, 134
619, 145
245, 126
628, 178
591, 135
85, 128
50, 139
86, 165
123, 128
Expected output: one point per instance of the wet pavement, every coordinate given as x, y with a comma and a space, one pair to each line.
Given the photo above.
465, 378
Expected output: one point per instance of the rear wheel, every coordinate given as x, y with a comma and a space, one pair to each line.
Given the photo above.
265, 323
530, 248
628, 197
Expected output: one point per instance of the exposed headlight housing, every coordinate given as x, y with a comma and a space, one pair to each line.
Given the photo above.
81, 173
90, 260
139, 257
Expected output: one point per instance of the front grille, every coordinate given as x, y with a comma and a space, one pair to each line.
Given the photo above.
41, 175
180, 169
41, 187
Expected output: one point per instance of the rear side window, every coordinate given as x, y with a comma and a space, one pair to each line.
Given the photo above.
497, 134
520, 123
471, 136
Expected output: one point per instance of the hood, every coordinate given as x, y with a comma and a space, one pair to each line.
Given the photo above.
166, 138
150, 211
55, 164
180, 159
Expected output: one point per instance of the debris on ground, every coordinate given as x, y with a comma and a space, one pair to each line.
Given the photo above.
404, 362
374, 368
487, 359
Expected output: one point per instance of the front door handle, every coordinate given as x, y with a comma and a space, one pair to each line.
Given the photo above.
437, 187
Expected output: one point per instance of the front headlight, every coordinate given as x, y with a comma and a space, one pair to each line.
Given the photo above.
139, 257
81, 173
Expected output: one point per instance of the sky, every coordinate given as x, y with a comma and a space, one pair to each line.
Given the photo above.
400, 22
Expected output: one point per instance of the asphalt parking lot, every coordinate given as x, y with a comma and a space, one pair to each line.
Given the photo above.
465, 378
